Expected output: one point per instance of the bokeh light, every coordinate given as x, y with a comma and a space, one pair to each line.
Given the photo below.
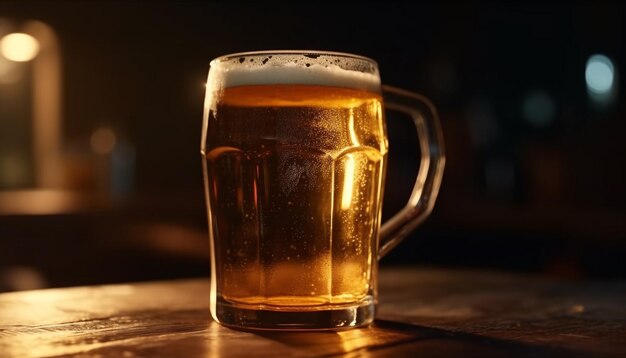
539, 108
103, 140
599, 74
19, 47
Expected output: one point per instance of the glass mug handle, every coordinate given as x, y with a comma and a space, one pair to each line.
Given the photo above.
426, 187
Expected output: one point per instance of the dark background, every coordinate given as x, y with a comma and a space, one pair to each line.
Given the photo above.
535, 176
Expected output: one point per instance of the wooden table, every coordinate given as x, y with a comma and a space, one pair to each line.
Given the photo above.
423, 313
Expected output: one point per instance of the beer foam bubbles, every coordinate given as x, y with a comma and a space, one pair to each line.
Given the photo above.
327, 69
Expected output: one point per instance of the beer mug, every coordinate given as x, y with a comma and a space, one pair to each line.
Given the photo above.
294, 154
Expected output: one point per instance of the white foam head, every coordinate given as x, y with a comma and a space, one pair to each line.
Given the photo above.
288, 67
307, 68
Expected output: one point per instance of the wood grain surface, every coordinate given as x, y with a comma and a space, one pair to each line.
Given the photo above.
422, 313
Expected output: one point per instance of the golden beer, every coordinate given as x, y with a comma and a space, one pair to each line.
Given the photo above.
294, 177
294, 151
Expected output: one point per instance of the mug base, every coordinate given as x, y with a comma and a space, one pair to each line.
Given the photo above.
331, 319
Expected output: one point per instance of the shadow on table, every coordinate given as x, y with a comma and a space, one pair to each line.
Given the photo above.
389, 338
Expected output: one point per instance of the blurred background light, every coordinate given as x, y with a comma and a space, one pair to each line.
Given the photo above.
14, 169
10, 72
539, 108
599, 74
22, 278
19, 47
103, 140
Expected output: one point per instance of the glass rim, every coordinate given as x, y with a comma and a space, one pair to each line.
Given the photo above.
230, 56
